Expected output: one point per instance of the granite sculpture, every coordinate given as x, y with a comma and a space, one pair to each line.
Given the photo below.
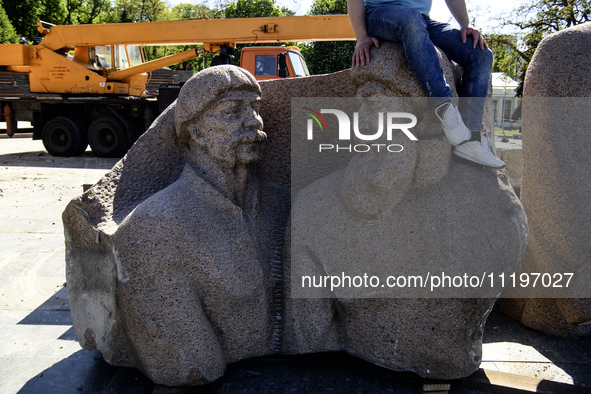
556, 185
155, 162
406, 213
195, 264
178, 258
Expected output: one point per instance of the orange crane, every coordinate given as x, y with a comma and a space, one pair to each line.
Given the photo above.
87, 83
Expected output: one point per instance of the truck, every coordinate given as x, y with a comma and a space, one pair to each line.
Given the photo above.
86, 85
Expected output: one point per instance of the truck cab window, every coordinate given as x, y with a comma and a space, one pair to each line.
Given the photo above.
265, 65
299, 65
120, 57
135, 55
102, 57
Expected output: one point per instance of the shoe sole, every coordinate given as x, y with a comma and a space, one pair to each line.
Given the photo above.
473, 160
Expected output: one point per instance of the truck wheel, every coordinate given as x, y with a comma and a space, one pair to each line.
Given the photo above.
107, 137
63, 137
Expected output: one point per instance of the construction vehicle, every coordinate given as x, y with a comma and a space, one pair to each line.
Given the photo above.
87, 84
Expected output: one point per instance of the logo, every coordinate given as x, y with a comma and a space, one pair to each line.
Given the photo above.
388, 123
315, 115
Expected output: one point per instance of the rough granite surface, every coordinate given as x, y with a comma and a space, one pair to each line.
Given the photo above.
173, 258
412, 212
141, 213
556, 186
171, 276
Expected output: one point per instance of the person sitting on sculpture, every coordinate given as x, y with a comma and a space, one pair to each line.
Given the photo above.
408, 22
396, 212
196, 258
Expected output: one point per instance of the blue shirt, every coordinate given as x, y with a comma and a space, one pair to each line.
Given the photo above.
424, 6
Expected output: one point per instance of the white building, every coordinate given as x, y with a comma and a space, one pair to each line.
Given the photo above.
504, 101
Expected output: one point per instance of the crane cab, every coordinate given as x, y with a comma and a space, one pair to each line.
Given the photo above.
273, 62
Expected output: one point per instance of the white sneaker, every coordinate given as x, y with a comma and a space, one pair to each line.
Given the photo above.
478, 152
453, 126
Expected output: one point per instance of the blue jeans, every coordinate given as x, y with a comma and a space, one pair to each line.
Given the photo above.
418, 35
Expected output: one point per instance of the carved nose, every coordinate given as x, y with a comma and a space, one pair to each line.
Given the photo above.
253, 121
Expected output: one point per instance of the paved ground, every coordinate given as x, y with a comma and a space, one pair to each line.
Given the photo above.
38, 348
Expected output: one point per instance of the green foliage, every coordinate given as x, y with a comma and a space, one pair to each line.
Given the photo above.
184, 11
74, 12
549, 16
506, 54
142, 10
54, 11
23, 15
325, 7
325, 57
218, 6
7, 33
328, 56
537, 20
93, 11
252, 9
287, 12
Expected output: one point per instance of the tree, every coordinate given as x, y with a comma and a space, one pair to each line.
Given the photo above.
219, 6
538, 20
252, 9
287, 12
92, 11
54, 11
549, 16
71, 5
23, 15
328, 56
7, 33
142, 10
507, 57
184, 11
325, 7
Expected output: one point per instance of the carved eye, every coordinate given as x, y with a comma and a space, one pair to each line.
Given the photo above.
231, 113
228, 109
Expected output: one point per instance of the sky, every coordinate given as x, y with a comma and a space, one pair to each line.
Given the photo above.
483, 13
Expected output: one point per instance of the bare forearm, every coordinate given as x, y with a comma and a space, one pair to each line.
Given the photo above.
459, 11
357, 17
361, 54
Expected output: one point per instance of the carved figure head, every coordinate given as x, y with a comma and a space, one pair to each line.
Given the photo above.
375, 183
217, 111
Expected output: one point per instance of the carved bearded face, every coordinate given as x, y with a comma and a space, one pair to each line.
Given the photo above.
231, 130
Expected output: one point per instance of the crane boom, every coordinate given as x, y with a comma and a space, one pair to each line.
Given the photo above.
87, 84
213, 32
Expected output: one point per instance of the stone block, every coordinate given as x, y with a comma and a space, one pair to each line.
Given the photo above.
556, 184
413, 212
